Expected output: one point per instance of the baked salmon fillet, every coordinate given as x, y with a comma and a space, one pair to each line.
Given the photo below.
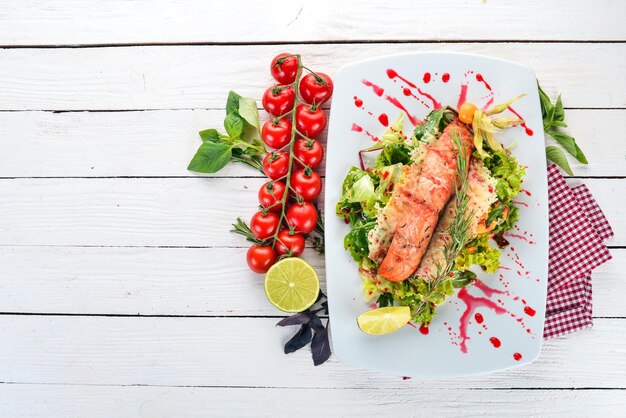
417, 201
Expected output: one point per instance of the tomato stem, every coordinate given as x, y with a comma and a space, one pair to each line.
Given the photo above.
292, 142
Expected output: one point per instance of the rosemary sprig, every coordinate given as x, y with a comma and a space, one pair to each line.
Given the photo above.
459, 231
242, 228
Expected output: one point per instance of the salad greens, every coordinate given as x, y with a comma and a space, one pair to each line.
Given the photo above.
366, 191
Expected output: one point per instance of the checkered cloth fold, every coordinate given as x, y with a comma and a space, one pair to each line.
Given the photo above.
577, 231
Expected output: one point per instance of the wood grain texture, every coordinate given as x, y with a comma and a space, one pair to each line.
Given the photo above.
105, 401
247, 352
39, 22
200, 76
165, 212
161, 143
179, 281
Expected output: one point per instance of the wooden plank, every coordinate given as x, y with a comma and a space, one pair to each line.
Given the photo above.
161, 143
178, 281
165, 212
248, 352
38, 22
200, 76
106, 401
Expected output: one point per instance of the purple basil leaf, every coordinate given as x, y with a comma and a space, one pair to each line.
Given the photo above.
297, 319
316, 323
302, 338
320, 347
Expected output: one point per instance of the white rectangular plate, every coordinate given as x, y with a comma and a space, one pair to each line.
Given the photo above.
366, 90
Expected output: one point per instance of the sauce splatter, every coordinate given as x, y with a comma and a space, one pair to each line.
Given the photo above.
436, 104
426, 78
393, 74
424, 329
517, 356
396, 103
471, 303
480, 78
529, 131
445, 77
495, 342
383, 119
488, 291
356, 128
479, 318
462, 96
377, 89
528, 193
529, 311
358, 102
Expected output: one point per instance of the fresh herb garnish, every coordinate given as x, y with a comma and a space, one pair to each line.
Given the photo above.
311, 330
240, 144
553, 119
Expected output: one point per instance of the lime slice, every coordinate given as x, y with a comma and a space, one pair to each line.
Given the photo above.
292, 285
384, 320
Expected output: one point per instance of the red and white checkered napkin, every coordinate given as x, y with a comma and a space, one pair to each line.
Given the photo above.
578, 229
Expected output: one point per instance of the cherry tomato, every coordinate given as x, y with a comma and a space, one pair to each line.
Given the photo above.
287, 242
310, 120
309, 151
264, 225
466, 112
306, 183
278, 100
284, 68
276, 133
316, 90
276, 164
260, 258
302, 217
271, 195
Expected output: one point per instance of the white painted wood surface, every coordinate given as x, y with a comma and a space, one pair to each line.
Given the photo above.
41, 22
122, 293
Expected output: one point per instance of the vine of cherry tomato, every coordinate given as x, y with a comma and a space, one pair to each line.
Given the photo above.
287, 214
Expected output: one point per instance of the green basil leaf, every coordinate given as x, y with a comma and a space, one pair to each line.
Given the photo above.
232, 103
210, 135
559, 113
546, 104
234, 125
248, 111
580, 156
564, 140
211, 157
557, 156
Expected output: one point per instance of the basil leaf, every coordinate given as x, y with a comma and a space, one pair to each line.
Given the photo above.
580, 156
569, 144
320, 347
247, 110
559, 113
302, 338
546, 104
209, 135
566, 141
211, 157
297, 319
234, 125
232, 103
557, 156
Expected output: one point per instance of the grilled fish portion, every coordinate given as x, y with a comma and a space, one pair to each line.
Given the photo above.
416, 203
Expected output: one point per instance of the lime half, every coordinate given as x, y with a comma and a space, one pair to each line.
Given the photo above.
384, 320
292, 285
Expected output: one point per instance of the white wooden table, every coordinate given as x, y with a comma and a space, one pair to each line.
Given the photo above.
122, 293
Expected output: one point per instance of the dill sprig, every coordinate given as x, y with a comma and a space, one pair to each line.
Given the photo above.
458, 233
